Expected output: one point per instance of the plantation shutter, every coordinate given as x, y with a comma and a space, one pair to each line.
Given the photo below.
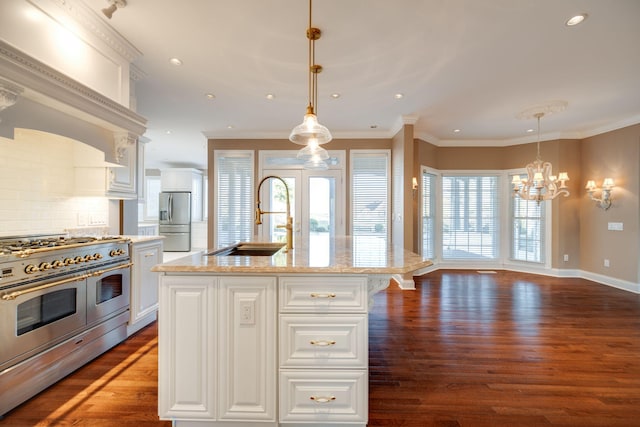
234, 197
470, 217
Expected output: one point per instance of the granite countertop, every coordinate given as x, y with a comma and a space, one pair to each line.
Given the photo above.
347, 254
139, 239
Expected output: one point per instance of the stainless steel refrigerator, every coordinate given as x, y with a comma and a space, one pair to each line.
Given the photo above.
175, 220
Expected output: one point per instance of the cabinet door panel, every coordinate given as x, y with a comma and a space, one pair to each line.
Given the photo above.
187, 350
247, 366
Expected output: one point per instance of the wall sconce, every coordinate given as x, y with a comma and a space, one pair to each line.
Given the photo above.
414, 186
605, 198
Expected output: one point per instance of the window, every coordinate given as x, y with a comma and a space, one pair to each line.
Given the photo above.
528, 229
428, 214
470, 217
234, 200
370, 193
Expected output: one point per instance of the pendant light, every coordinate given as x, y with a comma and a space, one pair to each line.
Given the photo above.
310, 132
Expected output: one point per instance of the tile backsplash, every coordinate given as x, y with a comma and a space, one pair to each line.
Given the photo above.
37, 186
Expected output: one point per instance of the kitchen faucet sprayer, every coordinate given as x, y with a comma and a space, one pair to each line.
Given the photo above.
259, 212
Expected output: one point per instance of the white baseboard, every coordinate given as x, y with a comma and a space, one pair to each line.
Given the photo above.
553, 272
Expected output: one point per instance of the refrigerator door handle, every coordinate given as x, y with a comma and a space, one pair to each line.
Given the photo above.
170, 207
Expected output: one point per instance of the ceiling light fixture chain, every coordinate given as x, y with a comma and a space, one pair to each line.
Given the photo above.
540, 184
311, 133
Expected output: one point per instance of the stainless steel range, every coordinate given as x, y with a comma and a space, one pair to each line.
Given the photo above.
63, 302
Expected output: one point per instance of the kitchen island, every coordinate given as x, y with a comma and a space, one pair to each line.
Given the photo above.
272, 340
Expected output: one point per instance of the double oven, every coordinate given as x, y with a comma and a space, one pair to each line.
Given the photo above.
63, 302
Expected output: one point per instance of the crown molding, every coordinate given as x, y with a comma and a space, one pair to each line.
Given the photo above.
90, 21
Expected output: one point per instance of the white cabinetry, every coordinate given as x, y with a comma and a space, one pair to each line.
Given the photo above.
219, 337
323, 341
121, 181
144, 284
217, 349
184, 179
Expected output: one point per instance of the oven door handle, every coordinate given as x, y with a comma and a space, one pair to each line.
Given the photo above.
13, 295
101, 272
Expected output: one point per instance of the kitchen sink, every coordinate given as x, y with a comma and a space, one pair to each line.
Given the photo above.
248, 249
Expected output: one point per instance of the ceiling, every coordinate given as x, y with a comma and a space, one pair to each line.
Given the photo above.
461, 64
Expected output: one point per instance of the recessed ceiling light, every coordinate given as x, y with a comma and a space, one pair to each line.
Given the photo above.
175, 61
335, 95
229, 126
209, 95
168, 132
373, 126
398, 96
270, 96
529, 130
575, 20
456, 131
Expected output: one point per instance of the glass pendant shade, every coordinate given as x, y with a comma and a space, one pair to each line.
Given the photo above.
313, 150
308, 130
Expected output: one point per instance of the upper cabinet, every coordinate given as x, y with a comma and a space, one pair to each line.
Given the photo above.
121, 181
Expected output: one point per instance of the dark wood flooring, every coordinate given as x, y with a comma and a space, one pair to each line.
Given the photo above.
464, 349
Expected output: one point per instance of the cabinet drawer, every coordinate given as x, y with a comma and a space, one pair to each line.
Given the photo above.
322, 397
330, 341
323, 294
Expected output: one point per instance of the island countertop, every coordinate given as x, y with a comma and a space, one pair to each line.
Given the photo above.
346, 254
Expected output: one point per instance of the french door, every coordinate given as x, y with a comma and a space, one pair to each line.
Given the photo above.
317, 206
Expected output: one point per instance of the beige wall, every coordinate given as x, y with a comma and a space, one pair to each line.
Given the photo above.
579, 229
281, 144
612, 155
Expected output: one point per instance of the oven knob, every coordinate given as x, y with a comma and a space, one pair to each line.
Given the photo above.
69, 261
90, 257
30, 269
45, 266
57, 264
97, 256
78, 259
116, 252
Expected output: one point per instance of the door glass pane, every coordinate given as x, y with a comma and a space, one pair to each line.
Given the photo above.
322, 203
278, 203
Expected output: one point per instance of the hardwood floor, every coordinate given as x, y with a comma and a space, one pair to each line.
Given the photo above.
464, 349
506, 349
119, 388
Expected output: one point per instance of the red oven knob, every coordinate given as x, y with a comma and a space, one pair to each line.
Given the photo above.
57, 264
45, 266
69, 261
30, 269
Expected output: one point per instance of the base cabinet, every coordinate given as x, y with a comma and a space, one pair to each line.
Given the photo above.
144, 284
263, 350
217, 350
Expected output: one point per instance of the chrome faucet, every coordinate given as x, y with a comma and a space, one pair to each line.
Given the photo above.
259, 212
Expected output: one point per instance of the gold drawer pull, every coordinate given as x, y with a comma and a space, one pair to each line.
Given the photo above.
317, 295
322, 343
323, 399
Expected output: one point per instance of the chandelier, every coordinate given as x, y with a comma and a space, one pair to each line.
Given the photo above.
540, 183
310, 132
